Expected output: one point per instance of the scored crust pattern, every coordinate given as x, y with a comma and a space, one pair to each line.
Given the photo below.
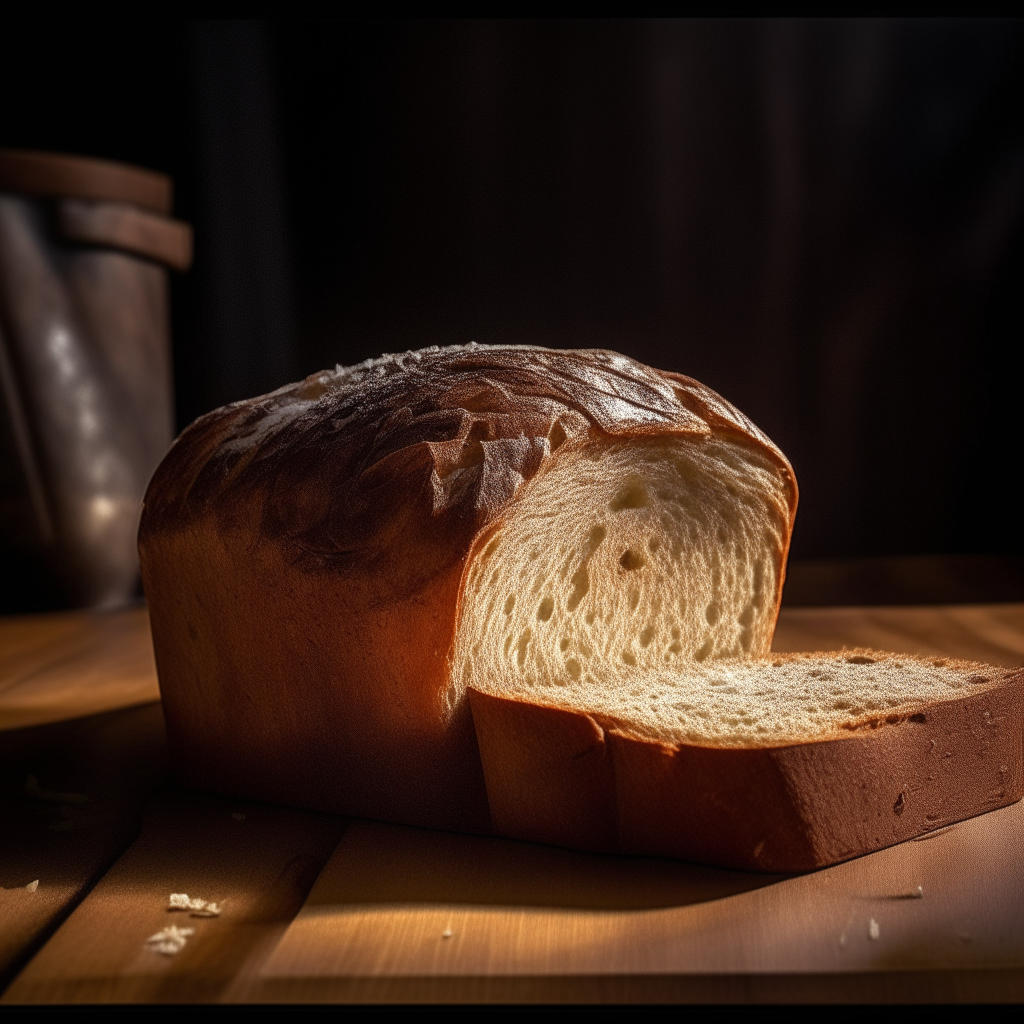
343, 462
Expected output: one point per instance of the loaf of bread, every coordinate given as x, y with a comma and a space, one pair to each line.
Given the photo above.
533, 591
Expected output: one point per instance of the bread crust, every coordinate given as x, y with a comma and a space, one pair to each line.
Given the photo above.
303, 556
784, 808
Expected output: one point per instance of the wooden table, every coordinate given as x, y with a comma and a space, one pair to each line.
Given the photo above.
314, 907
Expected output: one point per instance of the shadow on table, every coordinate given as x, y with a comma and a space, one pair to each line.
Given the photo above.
71, 800
377, 863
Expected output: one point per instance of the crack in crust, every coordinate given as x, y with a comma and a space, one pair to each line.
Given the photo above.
428, 446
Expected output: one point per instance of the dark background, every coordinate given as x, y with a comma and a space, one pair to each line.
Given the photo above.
822, 220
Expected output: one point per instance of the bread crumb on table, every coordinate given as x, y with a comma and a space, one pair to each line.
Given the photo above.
197, 907
170, 940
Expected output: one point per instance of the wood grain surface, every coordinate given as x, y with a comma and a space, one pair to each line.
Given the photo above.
400, 903
526, 922
71, 800
66, 665
255, 861
992, 633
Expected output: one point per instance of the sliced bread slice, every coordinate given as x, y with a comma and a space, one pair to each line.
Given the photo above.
779, 764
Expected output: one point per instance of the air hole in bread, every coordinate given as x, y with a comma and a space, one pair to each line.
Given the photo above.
521, 647
632, 495
632, 560
580, 586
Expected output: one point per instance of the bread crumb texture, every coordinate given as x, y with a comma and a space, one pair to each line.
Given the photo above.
773, 702
640, 581
627, 560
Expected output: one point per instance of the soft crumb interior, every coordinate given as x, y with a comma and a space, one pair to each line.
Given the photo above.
627, 559
639, 581
768, 701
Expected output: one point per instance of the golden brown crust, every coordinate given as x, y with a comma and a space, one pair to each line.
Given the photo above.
293, 688
343, 463
547, 771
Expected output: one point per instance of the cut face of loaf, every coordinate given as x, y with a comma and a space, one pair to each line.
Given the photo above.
627, 560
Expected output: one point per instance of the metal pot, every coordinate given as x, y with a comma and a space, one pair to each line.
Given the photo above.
86, 408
